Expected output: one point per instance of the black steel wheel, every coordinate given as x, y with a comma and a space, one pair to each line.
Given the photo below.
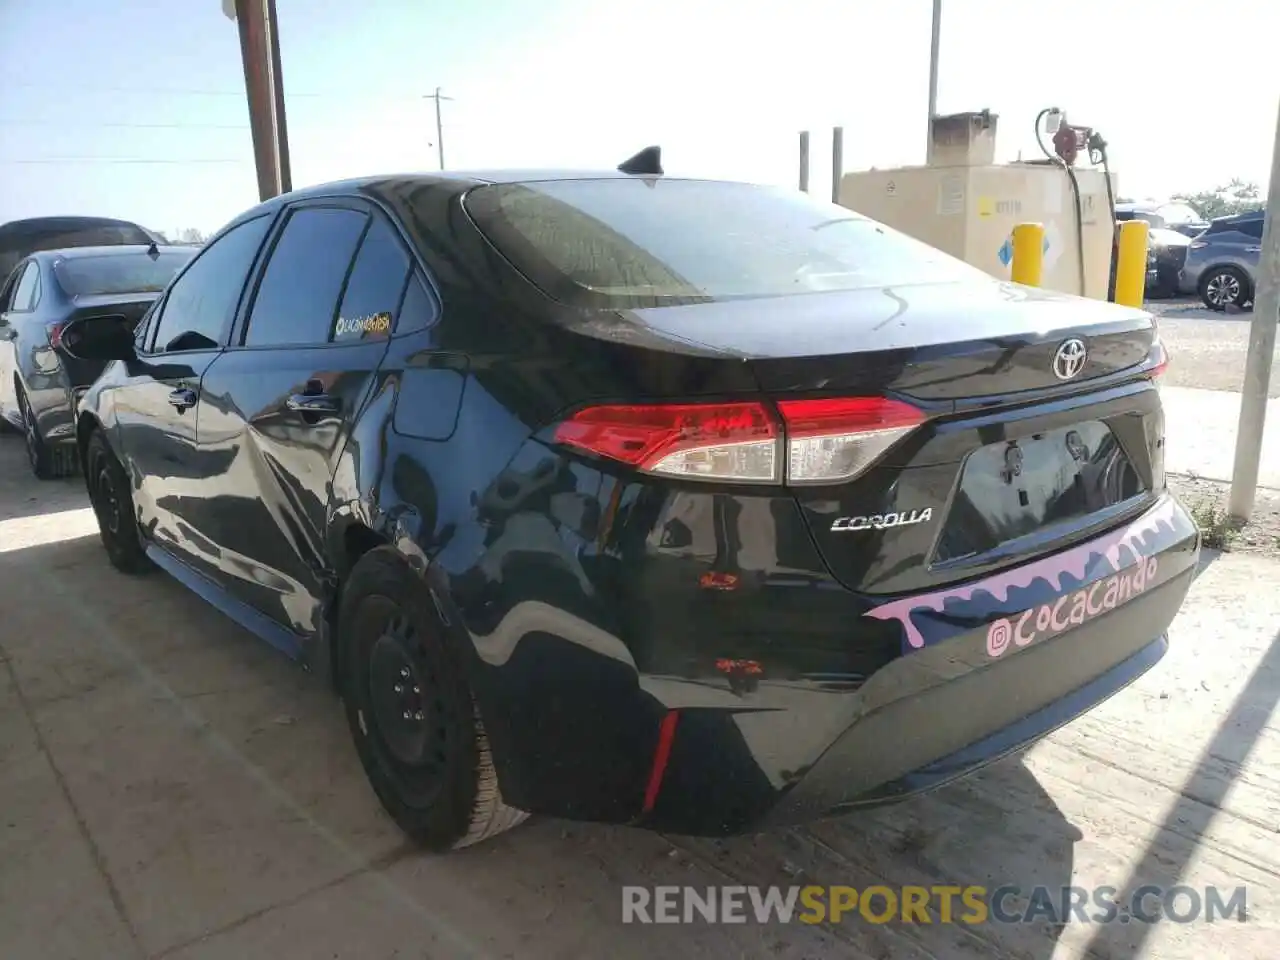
112, 499
44, 463
414, 721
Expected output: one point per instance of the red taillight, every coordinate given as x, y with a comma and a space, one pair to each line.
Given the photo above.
55, 336
819, 441
721, 441
1159, 359
836, 439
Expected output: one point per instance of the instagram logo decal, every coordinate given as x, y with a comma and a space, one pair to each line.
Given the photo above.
1071, 609
998, 636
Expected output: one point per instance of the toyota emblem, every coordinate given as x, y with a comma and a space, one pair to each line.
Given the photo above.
1069, 359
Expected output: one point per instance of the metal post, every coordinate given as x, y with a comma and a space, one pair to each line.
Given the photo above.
1027, 266
255, 53
277, 86
933, 77
1262, 343
804, 160
837, 162
1131, 263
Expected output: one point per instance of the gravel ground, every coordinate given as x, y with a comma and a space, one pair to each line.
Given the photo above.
1207, 501
1207, 349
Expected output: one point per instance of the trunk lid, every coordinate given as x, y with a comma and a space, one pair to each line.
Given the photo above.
935, 341
131, 306
1044, 426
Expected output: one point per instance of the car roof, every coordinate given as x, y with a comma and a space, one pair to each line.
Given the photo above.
40, 224
113, 250
399, 184
1241, 217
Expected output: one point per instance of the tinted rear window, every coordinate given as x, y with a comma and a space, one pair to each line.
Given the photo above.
118, 273
22, 243
632, 242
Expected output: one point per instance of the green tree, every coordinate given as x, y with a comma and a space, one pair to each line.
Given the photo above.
1238, 196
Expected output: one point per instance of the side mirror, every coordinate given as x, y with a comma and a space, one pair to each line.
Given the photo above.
98, 338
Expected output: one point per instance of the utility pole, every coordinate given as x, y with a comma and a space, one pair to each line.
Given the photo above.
263, 82
837, 162
804, 160
437, 97
1262, 345
933, 78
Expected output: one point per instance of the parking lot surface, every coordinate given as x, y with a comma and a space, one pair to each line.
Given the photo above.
171, 787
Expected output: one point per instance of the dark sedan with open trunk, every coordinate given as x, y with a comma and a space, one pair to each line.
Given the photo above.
685, 504
40, 382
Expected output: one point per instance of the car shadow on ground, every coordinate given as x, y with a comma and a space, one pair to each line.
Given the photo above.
215, 778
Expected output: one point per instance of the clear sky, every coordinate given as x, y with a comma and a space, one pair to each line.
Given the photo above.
722, 86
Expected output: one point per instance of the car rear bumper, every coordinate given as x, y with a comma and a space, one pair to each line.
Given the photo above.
583, 727
54, 406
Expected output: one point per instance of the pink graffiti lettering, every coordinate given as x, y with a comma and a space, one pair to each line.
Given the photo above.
1073, 563
1120, 587
1020, 637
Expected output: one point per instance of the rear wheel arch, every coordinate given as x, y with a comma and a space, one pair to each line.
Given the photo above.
86, 425
353, 540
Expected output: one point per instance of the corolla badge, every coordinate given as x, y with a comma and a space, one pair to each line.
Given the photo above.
1069, 358
881, 521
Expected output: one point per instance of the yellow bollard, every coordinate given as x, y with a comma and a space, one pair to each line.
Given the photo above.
1028, 253
1131, 263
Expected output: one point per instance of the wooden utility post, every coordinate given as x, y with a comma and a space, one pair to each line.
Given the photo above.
264, 90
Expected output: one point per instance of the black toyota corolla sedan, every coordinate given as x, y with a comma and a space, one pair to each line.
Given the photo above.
691, 505
39, 382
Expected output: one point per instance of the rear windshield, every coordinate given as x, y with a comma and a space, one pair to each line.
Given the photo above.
119, 273
25, 242
635, 242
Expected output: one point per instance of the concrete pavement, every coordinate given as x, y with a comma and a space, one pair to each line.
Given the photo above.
1200, 434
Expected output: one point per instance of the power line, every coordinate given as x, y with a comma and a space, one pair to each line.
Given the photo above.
50, 160
197, 125
195, 92
128, 126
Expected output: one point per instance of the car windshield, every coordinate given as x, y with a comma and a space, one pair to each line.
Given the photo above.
1180, 213
119, 273
616, 243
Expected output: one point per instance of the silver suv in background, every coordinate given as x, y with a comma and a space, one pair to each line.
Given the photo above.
1222, 262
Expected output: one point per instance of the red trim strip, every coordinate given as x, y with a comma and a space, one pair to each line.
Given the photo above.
661, 754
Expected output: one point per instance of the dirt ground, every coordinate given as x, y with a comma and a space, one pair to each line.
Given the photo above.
1207, 501
172, 788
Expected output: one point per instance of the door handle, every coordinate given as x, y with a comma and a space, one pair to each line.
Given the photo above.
313, 403
1257, 249
182, 398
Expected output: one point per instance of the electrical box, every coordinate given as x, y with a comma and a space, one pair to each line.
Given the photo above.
966, 205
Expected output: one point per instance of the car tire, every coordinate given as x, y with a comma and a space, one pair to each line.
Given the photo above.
415, 722
46, 462
112, 500
1224, 287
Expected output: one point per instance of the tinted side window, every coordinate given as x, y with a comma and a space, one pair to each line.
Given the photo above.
372, 298
145, 326
201, 303
1252, 229
298, 296
418, 310
25, 293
